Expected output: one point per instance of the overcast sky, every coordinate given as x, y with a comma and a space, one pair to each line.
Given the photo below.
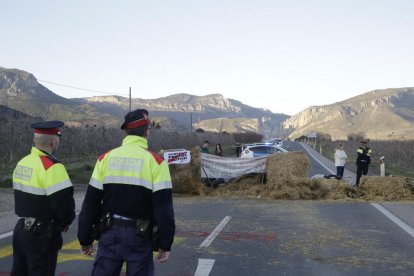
281, 55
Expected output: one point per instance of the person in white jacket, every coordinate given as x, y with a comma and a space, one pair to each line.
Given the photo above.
340, 157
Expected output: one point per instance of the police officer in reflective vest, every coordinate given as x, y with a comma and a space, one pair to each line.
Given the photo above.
129, 195
44, 202
363, 160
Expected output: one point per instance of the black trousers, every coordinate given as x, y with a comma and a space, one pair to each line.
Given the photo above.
29, 254
362, 169
119, 245
340, 171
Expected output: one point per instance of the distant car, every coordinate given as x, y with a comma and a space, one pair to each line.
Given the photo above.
260, 150
256, 144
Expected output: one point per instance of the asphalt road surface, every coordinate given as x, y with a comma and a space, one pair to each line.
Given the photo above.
250, 236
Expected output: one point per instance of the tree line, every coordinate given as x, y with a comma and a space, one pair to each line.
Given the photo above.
79, 144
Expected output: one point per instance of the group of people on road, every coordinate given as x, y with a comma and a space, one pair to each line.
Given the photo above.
217, 151
128, 205
363, 160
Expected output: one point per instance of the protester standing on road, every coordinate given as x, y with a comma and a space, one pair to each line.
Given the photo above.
238, 149
340, 158
218, 151
130, 191
44, 203
363, 160
204, 148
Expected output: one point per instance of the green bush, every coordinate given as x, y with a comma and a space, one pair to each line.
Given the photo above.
6, 183
80, 174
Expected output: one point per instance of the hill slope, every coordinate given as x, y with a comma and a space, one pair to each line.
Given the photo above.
189, 109
380, 114
21, 91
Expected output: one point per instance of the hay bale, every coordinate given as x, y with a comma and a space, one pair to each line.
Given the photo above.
385, 188
245, 185
286, 178
287, 165
336, 189
186, 178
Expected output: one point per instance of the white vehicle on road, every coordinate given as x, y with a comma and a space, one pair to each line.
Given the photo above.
259, 150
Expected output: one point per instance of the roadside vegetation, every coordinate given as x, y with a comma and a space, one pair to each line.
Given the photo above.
80, 146
285, 178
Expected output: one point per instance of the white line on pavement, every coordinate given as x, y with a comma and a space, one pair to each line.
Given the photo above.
316, 159
215, 232
204, 267
5, 235
394, 219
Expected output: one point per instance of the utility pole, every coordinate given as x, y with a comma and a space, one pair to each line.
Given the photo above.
130, 99
191, 121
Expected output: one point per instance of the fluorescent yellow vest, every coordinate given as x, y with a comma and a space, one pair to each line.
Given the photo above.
132, 164
37, 174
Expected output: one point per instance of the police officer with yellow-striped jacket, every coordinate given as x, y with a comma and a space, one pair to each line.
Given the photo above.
363, 160
129, 193
44, 202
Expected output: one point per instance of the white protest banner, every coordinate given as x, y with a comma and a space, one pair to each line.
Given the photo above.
225, 167
178, 156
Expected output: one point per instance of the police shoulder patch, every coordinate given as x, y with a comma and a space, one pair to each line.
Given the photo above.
157, 158
47, 162
103, 155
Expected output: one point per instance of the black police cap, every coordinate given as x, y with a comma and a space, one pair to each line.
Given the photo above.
48, 127
136, 118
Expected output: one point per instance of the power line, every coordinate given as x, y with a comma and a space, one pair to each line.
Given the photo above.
22, 73
84, 89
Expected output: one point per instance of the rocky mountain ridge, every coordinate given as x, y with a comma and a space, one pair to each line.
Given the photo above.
21, 91
380, 114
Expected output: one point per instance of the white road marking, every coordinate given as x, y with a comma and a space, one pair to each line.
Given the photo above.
394, 219
204, 267
215, 232
5, 235
316, 159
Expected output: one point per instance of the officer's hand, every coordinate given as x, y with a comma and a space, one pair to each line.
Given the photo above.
87, 249
163, 256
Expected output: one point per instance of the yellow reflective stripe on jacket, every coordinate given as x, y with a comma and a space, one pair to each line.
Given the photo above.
131, 164
361, 151
30, 175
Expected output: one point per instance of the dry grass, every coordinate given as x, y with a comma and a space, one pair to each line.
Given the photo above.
385, 188
186, 179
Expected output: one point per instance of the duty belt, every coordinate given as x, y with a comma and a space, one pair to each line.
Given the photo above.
29, 223
123, 221
139, 224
